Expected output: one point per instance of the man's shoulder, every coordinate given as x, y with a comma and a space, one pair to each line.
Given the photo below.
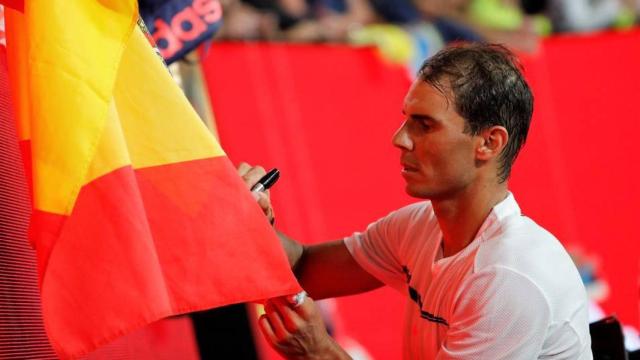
524, 251
526, 248
519, 242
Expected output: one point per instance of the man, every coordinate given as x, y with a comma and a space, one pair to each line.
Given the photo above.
483, 281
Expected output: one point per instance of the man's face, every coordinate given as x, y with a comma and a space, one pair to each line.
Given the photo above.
437, 156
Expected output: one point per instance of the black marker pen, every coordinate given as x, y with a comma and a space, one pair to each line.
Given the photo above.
266, 181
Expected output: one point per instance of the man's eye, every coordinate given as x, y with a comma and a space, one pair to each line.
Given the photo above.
420, 125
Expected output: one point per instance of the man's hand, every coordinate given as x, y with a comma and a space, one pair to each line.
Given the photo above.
298, 332
251, 175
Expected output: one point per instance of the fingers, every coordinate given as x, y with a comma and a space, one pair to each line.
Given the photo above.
250, 174
307, 309
291, 320
276, 322
285, 316
293, 336
282, 319
267, 330
243, 168
265, 204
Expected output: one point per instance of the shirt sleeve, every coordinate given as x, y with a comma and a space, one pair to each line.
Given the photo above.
498, 314
376, 251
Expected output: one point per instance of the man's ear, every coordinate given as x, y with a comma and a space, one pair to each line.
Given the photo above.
492, 141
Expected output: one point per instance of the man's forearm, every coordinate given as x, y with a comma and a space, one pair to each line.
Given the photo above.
293, 249
327, 269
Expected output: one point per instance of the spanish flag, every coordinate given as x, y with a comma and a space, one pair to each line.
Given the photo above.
137, 212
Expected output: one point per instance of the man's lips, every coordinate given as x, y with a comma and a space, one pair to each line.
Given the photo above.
408, 167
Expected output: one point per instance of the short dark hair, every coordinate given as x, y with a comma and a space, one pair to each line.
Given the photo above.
488, 89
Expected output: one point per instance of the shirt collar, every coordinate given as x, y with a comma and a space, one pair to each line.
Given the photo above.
504, 209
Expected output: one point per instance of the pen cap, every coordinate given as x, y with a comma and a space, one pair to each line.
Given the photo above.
270, 178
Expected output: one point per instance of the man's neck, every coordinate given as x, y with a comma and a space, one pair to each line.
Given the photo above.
461, 216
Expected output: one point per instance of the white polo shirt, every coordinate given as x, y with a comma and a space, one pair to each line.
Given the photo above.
512, 293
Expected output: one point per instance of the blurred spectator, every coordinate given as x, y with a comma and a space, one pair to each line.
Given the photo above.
430, 22
245, 21
408, 31
598, 291
498, 21
295, 20
586, 15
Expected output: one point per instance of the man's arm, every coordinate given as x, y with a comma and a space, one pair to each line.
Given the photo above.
323, 270
328, 270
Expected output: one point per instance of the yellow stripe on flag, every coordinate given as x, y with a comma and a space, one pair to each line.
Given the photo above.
159, 123
111, 153
152, 123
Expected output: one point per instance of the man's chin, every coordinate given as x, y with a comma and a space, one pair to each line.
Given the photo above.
417, 193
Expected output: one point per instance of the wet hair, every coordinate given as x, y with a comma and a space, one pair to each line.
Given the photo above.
487, 88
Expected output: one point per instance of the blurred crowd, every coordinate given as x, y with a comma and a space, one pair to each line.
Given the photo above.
406, 29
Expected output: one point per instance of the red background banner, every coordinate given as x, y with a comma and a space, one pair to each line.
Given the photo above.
325, 115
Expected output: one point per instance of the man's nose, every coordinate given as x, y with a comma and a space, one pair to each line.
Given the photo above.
401, 138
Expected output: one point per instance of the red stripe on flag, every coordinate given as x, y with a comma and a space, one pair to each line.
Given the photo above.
25, 150
212, 233
14, 4
141, 245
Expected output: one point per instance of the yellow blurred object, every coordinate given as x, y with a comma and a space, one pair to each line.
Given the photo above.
496, 15
626, 19
393, 42
542, 25
259, 309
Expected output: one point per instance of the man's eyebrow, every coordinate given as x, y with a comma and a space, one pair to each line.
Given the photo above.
420, 117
